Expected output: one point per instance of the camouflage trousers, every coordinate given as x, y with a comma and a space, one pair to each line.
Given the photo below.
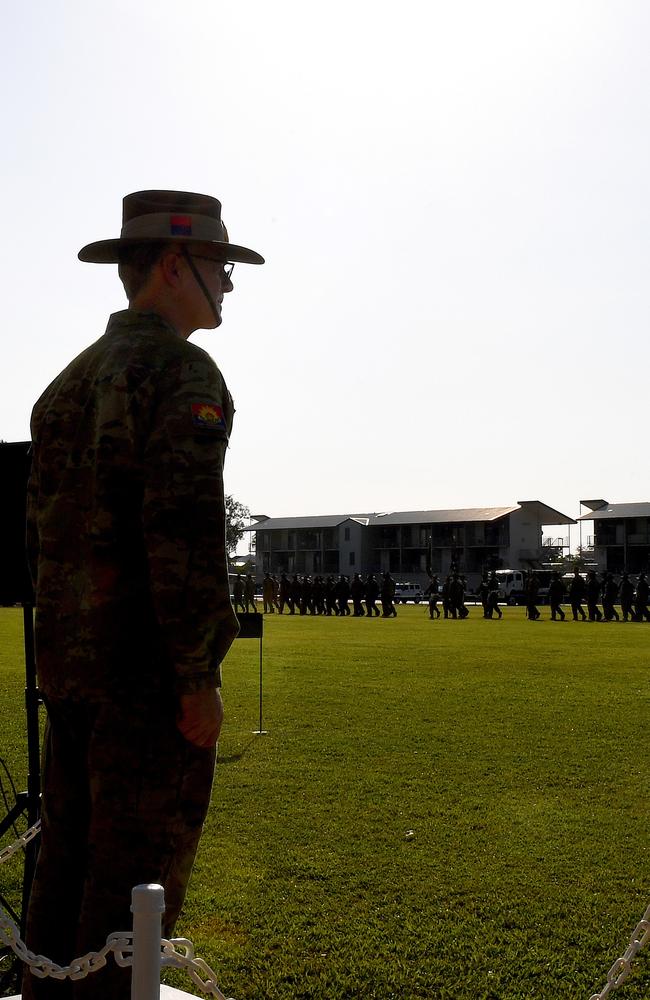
124, 801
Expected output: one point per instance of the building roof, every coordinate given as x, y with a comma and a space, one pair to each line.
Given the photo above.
593, 504
619, 510
441, 516
546, 515
314, 521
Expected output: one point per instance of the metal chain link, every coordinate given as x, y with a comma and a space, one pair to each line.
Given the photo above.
79, 968
21, 843
199, 971
623, 965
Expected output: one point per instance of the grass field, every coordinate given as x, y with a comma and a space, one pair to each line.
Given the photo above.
515, 752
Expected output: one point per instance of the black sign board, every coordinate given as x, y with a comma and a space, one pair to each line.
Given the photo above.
15, 582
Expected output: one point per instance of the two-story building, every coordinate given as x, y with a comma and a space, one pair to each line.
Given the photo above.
621, 535
409, 543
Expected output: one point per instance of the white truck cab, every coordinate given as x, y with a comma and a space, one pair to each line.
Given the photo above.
512, 585
408, 592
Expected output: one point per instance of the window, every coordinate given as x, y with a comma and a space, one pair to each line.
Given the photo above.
346, 534
352, 559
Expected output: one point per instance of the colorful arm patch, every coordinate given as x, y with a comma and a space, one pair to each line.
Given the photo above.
208, 417
180, 225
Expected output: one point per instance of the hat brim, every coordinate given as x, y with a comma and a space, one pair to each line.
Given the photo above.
108, 251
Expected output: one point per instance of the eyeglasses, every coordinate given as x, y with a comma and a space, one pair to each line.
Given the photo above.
227, 268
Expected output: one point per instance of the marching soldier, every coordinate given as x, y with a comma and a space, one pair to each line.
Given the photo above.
593, 594
238, 593
532, 589
330, 597
285, 595
483, 591
493, 597
343, 595
387, 597
627, 598
296, 592
641, 599
577, 591
432, 591
249, 593
610, 593
556, 593
357, 591
372, 593
267, 594
318, 595
446, 604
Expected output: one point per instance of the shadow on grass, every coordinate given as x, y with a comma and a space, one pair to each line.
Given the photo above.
232, 758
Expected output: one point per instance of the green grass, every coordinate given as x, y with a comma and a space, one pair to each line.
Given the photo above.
515, 751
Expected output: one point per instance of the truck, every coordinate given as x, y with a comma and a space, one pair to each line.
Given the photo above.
408, 592
512, 584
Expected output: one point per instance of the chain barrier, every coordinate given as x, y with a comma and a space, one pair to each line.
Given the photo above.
119, 944
623, 965
21, 843
79, 968
178, 953
199, 971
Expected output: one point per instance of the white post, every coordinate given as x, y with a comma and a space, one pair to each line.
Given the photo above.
147, 907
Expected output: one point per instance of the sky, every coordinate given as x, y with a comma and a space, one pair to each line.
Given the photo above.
453, 204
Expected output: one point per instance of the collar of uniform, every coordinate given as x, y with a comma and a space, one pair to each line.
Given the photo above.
129, 320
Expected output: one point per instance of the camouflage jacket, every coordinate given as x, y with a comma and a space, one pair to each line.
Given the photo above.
126, 516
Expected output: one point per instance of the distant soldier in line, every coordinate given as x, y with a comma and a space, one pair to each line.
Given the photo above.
446, 607
610, 593
641, 599
296, 591
556, 593
274, 592
432, 591
249, 593
306, 603
330, 597
453, 595
492, 604
457, 598
285, 595
483, 592
627, 598
357, 590
238, 593
577, 591
387, 597
532, 589
267, 594
372, 593
463, 612
343, 595
318, 595
593, 595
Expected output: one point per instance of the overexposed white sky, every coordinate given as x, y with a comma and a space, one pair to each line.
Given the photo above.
453, 201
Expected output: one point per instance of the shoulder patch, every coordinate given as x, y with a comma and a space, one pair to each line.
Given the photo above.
208, 417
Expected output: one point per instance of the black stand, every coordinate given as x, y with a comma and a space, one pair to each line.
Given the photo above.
33, 803
251, 626
28, 803
16, 589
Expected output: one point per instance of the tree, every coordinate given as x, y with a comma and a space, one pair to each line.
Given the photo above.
236, 516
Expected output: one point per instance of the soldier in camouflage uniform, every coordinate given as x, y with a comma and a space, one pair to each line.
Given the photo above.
126, 538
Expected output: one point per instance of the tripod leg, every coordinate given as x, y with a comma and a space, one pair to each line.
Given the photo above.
32, 701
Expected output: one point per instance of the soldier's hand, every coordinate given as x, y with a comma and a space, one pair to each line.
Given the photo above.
200, 717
